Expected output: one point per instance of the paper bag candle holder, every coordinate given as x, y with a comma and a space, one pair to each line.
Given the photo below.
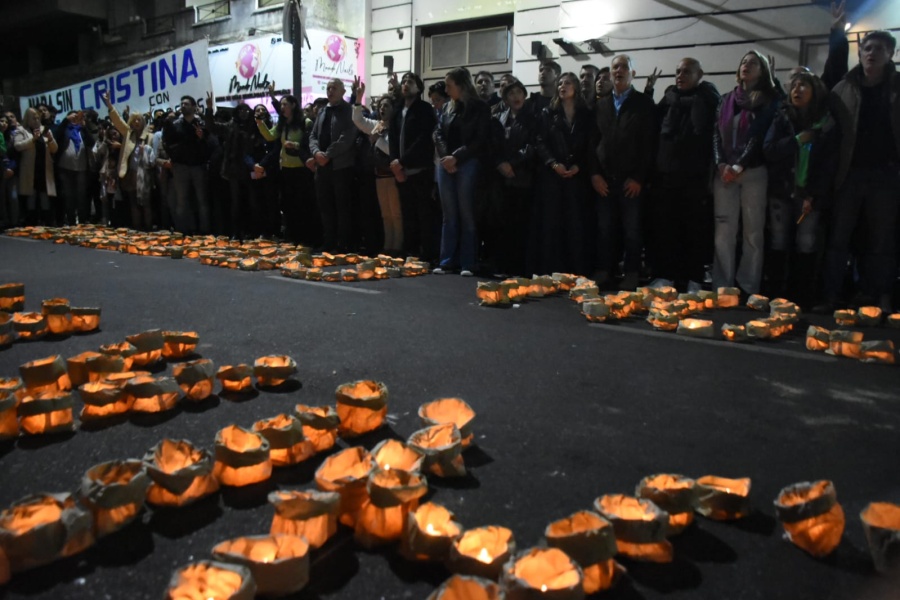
786, 311
734, 333
7, 332
12, 297
103, 399
878, 351
100, 367
58, 314
179, 344
640, 527
195, 378
543, 573
881, 523
46, 375
450, 410
694, 303
869, 316
347, 473
211, 579
361, 406
492, 293
700, 328
464, 587
442, 447
595, 310
180, 473
85, 319
564, 281
591, 542
728, 297
149, 347
272, 371
893, 321
279, 563
759, 329
846, 318
114, 492
29, 325
482, 552
287, 446
77, 368
242, 457
394, 454
722, 499
584, 290
320, 426
392, 495
235, 379
14, 386
42, 528
663, 320
149, 394
811, 516
430, 531
310, 514
845, 343
757, 302
818, 339
47, 412
619, 308
672, 493
125, 350
9, 423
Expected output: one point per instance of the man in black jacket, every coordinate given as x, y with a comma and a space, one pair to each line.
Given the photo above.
73, 163
187, 143
680, 208
331, 143
620, 168
412, 156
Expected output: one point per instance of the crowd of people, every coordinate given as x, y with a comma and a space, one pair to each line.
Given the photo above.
587, 175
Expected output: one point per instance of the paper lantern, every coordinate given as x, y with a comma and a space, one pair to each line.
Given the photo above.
595, 310
757, 302
45, 375
869, 316
320, 425
640, 527
564, 281
149, 394
114, 492
583, 291
85, 319
58, 315
514, 290
543, 573
442, 447
394, 454
103, 399
673, 494
663, 320
14, 386
881, 522
272, 371
818, 339
845, 343
492, 293
811, 516
180, 473
235, 379
310, 514
722, 499
710, 299
430, 531
619, 308
249, 264
242, 457
125, 350
361, 406
734, 333
759, 329
462, 587
846, 318
9, 423
100, 367
482, 552
7, 332
179, 344
195, 378
347, 473
700, 328
591, 542
392, 495
784, 310
148, 345
77, 368
29, 325
47, 412
279, 563
728, 297
287, 446
779, 325
12, 297
450, 410
208, 579
877, 351
42, 528
894, 320
694, 303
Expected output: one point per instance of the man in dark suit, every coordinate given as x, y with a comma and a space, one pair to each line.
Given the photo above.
412, 162
331, 144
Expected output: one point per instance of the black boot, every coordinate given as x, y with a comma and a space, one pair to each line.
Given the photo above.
803, 279
776, 274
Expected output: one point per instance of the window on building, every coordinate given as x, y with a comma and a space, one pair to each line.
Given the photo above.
482, 44
210, 11
262, 4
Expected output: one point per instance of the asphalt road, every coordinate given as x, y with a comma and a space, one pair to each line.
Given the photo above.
566, 412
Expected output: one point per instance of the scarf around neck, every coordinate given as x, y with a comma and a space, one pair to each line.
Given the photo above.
739, 101
74, 134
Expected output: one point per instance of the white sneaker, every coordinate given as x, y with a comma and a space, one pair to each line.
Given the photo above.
439, 271
466, 273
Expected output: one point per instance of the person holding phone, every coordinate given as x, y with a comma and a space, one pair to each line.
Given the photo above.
135, 158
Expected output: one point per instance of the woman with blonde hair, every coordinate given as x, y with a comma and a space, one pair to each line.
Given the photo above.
36, 147
135, 157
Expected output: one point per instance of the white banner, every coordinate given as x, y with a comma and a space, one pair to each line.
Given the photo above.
333, 55
243, 71
156, 83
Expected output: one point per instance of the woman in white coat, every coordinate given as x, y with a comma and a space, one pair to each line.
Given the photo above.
36, 148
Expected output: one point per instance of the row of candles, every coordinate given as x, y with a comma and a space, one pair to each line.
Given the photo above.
57, 317
293, 261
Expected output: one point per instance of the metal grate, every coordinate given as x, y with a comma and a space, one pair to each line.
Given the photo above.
213, 11
160, 24
268, 3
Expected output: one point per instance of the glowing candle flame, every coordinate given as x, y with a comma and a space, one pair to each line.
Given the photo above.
387, 467
484, 557
543, 588
430, 530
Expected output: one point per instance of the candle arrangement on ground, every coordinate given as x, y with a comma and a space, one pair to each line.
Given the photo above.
543, 573
42, 528
320, 426
195, 378
811, 516
46, 412
242, 457
430, 531
450, 410
591, 542
179, 344
361, 406
482, 552
9, 421
179, 472
287, 445
460, 587
639, 525
85, 319
673, 494
442, 447
722, 499
149, 394
209, 579
7, 332
735, 333
310, 514
272, 371
58, 315
881, 522
114, 492
103, 399
392, 495
279, 563
347, 473
12, 297
235, 379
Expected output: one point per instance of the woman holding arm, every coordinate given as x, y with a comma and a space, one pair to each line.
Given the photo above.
36, 147
133, 160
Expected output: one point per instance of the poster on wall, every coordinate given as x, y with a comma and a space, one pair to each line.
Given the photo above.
333, 55
155, 83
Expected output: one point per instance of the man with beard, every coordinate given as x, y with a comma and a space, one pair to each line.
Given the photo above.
186, 141
484, 83
548, 72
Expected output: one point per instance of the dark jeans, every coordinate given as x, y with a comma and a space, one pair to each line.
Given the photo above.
74, 188
869, 197
559, 211
680, 221
334, 195
515, 212
618, 216
419, 215
298, 202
